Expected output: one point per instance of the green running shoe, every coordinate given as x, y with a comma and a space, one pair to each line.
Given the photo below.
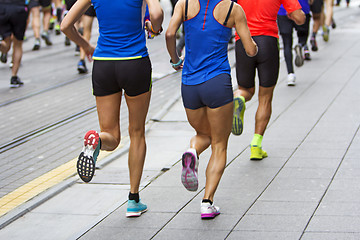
257, 153
57, 29
326, 33
238, 117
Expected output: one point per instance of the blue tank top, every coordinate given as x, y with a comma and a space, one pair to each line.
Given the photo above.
206, 42
121, 29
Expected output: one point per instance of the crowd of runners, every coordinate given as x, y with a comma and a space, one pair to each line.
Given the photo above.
44, 18
122, 67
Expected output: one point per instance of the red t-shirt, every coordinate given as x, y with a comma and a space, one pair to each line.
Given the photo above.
261, 15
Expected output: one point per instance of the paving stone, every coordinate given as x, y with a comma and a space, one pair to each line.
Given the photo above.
313, 162
120, 233
350, 162
305, 172
330, 236
260, 235
192, 221
272, 223
304, 184
83, 199
149, 220
343, 195
273, 194
351, 173
191, 234
49, 225
350, 184
292, 208
340, 224
336, 208
173, 199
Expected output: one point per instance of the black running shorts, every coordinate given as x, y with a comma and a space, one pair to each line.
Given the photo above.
13, 20
42, 3
266, 62
69, 4
316, 6
111, 76
90, 12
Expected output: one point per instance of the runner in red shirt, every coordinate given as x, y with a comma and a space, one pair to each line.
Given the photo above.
261, 18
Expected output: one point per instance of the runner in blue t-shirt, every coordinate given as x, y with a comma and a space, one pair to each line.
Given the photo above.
121, 62
206, 84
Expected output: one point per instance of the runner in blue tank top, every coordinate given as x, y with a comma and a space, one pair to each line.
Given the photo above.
206, 42
121, 62
206, 85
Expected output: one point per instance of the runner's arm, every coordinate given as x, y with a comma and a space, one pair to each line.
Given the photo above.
156, 14
243, 31
170, 35
298, 16
68, 26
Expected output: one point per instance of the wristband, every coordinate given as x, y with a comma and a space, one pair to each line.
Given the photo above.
158, 32
175, 65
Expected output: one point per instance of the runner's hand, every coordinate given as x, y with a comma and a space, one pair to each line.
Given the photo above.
89, 51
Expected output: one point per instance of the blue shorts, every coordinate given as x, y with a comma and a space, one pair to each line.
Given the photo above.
213, 93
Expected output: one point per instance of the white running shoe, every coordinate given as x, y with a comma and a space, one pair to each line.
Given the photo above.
291, 79
209, 210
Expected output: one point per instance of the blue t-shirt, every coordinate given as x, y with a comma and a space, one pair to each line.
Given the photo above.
121, 28
206, 42
304, 6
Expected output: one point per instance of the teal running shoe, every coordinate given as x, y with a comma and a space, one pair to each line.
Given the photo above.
135, 209
87, 158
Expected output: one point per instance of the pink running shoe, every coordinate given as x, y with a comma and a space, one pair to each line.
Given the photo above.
189, 174
209, 211
87, 158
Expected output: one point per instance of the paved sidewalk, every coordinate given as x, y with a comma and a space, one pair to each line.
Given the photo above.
308, 187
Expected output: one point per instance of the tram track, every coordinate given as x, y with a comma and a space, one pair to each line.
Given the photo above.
19, 140
8, 102
44, 129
